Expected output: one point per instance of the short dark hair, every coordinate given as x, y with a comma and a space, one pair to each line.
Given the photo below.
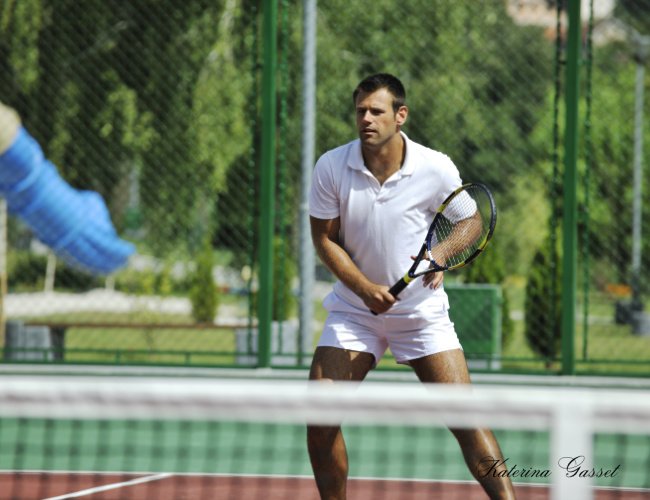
382, 81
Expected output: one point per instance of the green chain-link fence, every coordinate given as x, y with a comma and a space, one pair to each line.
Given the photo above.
154, 106
157, 105
613, 217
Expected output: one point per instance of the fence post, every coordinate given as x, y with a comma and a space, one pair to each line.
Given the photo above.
570, 205
308, 146
267, 184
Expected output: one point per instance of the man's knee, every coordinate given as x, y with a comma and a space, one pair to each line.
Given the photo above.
334, 364
447, 367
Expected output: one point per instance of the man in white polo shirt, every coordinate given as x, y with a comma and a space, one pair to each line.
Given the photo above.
371, 203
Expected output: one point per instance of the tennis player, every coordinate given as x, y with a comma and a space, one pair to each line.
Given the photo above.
371, 203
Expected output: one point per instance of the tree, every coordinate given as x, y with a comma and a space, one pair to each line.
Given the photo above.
20, 25
543, 306
203, 292
635, 13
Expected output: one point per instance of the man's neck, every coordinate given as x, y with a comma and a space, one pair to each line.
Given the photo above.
386, 159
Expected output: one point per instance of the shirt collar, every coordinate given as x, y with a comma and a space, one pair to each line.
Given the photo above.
355, 158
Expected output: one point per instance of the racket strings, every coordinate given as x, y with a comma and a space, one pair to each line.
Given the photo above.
461, 228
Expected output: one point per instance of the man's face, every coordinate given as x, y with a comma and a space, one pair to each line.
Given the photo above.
376, 121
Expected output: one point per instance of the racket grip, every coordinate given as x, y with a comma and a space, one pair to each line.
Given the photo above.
395, 290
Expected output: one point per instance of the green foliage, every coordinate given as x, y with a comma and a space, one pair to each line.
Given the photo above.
612, 137
284, 272
543, 306
165, 283
26, 272
157, 280
135, 282
170, 91
106, 103
223, 83
635, 13
522, 221
20, 27
69, 278
204, 295
455, 84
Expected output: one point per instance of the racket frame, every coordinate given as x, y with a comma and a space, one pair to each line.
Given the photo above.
426, 248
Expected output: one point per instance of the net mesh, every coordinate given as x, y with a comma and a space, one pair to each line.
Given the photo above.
204, 439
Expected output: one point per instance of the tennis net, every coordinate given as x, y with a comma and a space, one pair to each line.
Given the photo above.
165, 438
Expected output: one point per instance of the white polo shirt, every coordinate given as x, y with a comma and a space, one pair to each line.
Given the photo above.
382, 226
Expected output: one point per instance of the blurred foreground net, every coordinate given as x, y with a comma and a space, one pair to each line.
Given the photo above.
140, 438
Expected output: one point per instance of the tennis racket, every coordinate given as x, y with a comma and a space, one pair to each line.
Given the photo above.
460, 231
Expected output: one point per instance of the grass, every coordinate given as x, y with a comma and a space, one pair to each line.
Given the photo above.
168, 346
151, 345
609, 348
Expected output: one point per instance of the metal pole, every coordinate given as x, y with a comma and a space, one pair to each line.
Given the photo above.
642, 43
307, 259
267, 187
570, 204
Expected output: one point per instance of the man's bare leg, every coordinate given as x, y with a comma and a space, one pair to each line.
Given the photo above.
479, 446
327, 452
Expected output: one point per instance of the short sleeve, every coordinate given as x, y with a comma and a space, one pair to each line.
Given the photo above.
323, 197
461, 207
449, 181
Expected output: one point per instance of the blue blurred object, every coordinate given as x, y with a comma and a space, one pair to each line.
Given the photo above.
75, 224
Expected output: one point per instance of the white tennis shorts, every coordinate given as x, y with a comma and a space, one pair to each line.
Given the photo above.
409, 336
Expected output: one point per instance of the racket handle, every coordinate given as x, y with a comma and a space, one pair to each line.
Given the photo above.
395, 290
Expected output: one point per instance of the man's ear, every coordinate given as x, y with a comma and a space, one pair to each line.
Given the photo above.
401, 115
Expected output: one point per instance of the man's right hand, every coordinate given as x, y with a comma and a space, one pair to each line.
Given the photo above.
325, 234
377, 298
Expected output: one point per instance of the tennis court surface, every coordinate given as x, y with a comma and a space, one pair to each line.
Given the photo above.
174, 438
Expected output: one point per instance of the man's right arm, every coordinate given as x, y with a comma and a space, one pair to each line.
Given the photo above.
325, 235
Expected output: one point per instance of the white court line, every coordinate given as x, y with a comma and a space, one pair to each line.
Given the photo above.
113, 486
156, 477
